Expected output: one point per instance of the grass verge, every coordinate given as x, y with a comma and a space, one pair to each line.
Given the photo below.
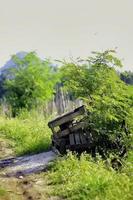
29, 133
86, 179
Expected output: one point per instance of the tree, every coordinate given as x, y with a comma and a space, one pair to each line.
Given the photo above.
2, 90
127, 77
107, 98
31, 82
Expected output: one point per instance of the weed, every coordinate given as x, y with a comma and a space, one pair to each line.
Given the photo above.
86, 179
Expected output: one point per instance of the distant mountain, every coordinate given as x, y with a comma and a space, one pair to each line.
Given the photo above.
10, 63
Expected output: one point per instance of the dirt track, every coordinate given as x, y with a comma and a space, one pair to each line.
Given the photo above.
22, 186
27, 164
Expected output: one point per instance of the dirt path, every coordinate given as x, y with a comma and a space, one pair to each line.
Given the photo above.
19, 166
25, 187
33, 187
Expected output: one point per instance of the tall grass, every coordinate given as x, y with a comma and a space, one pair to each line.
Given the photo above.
29, 132
85, 179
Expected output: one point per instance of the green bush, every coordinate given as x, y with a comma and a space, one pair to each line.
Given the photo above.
86, 179
28, 131
30, 83
109, 101
128, 165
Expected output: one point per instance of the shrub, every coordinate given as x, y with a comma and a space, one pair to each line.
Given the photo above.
108, 100
86, 179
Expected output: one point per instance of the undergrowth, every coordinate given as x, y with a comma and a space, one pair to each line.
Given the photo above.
29, 132
71, 177
86, 179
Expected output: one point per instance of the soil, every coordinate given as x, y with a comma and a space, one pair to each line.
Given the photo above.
23, 187
6, 150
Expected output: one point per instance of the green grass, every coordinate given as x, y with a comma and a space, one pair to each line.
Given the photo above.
70, 177
29, 132
85, 179
2, 192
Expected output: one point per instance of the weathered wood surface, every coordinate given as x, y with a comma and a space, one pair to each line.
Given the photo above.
71, 138
77, 138
69, 131
72, 129
83, 139
67, 117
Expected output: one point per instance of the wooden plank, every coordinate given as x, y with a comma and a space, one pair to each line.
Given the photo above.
52, 129
72, 129
77, 138
71, 138
67, 117
78, 126
63, 133
83, 139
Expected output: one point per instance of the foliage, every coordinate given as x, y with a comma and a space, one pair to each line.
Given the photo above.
86, 179
128, 165
30, 82
28, 131
2, 90
109, 103
127, 77
107, 98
